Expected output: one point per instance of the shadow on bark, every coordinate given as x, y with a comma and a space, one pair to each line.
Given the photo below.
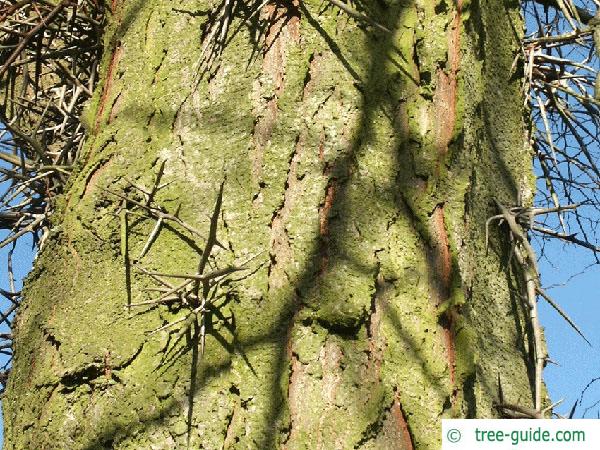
378, 96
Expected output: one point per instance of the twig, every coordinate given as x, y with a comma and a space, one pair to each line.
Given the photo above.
353, 13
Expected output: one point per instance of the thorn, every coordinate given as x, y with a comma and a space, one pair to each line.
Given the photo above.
564, 315
572, 412
500, 392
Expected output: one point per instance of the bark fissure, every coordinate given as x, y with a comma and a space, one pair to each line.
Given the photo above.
280, 253
72, 379
443, 272
349, 158
324, 217
400, 418
115, 57
446, 93
294, 395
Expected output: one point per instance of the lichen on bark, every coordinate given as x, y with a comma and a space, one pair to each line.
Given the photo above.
359, 165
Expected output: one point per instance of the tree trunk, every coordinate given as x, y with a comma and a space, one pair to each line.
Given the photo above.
359, 169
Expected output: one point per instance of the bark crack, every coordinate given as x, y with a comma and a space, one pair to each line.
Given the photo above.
442, 272
230, 437
106, 90
402, 422
293, 392
373, 323
324, 217
87, 374
446, 93
281, 251
162, 60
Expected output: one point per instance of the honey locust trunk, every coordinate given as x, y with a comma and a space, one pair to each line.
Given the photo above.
358, 167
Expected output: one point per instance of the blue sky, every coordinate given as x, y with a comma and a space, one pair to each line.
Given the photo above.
568, 273
578, 292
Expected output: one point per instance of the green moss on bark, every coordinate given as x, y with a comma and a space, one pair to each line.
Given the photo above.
372, 309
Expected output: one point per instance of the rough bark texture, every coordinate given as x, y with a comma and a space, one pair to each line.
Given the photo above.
362, 164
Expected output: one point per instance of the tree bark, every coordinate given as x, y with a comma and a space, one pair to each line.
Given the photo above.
359, 169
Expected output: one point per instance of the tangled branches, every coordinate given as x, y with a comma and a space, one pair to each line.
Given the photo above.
518, 220
49, 59
49, 53
561, 66
562, 91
